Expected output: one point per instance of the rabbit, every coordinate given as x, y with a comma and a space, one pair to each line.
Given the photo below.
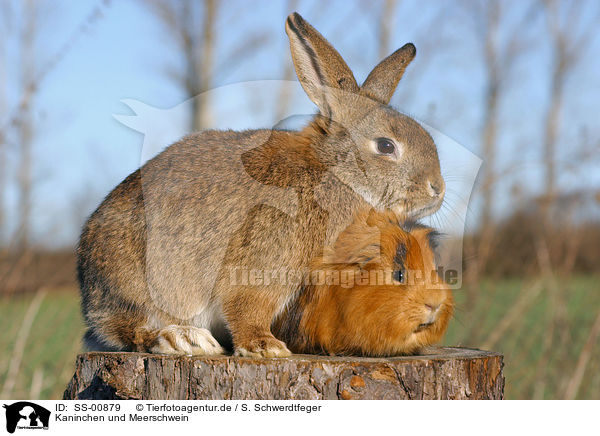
157, 260
379, 293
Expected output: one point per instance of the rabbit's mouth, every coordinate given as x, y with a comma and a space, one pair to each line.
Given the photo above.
420, 212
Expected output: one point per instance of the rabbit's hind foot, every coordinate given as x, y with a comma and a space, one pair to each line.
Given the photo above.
189, 340
264, 346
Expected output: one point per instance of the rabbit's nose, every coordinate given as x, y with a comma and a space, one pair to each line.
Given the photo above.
436, 188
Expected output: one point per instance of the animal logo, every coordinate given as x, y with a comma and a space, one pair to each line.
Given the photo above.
26, 415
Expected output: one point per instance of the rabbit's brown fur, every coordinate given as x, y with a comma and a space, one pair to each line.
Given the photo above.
359, 315
155, 258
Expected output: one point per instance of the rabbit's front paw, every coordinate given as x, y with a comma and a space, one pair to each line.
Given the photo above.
263, 346
193, 341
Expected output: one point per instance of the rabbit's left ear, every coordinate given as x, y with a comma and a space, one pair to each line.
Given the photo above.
383, 80
319, 67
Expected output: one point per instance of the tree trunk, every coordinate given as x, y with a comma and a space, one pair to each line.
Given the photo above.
441, 373
25, 125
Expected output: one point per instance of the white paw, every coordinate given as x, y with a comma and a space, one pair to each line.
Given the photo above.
269, 352
245, 353
263, 347
193, 341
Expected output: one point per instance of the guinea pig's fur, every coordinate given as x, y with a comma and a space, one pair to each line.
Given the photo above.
358, 306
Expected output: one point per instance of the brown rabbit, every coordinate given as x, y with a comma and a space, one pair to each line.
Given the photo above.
379, 293
155, 260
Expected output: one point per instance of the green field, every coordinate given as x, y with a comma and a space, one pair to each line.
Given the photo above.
541, 341
53, 341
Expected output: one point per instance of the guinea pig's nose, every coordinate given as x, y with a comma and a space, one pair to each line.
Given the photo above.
436, 188
433, 312
432, 306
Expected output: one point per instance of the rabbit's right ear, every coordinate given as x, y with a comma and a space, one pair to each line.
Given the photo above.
319, 67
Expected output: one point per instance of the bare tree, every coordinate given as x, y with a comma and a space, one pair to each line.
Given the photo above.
493, 88
570, 31
4, 24
205, 68
385, 27
24, 127
428, 37
23, 21
285, 91
570, 35
191, 24
502, 45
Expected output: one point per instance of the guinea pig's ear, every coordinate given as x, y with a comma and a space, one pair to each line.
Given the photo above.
427, 238
361, 257
400, 255
399, 273
382, 219
433, 239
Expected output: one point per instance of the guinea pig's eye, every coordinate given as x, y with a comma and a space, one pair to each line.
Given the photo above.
398, 275
385, 146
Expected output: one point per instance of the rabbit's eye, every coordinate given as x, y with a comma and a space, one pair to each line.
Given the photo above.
398, 275
385, 146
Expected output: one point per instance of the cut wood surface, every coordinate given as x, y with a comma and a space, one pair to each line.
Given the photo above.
440, 373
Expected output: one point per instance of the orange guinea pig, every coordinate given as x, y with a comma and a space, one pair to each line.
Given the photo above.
375, 292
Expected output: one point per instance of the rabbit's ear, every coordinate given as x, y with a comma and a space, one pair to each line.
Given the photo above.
383, 80
318, 65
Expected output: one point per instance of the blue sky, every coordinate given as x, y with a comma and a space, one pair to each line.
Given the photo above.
81, 151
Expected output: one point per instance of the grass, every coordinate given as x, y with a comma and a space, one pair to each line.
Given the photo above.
531, 368
50, 348
532, 371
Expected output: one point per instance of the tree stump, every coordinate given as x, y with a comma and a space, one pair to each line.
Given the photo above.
440, 373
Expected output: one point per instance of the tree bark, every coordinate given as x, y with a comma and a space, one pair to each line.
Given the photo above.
440, 373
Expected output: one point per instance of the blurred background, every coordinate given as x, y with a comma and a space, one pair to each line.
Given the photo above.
514, 82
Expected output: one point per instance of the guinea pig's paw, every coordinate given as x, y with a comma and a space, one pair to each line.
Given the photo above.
193, 341
263, 346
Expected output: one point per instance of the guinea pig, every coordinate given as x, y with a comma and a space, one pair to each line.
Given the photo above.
375, 292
